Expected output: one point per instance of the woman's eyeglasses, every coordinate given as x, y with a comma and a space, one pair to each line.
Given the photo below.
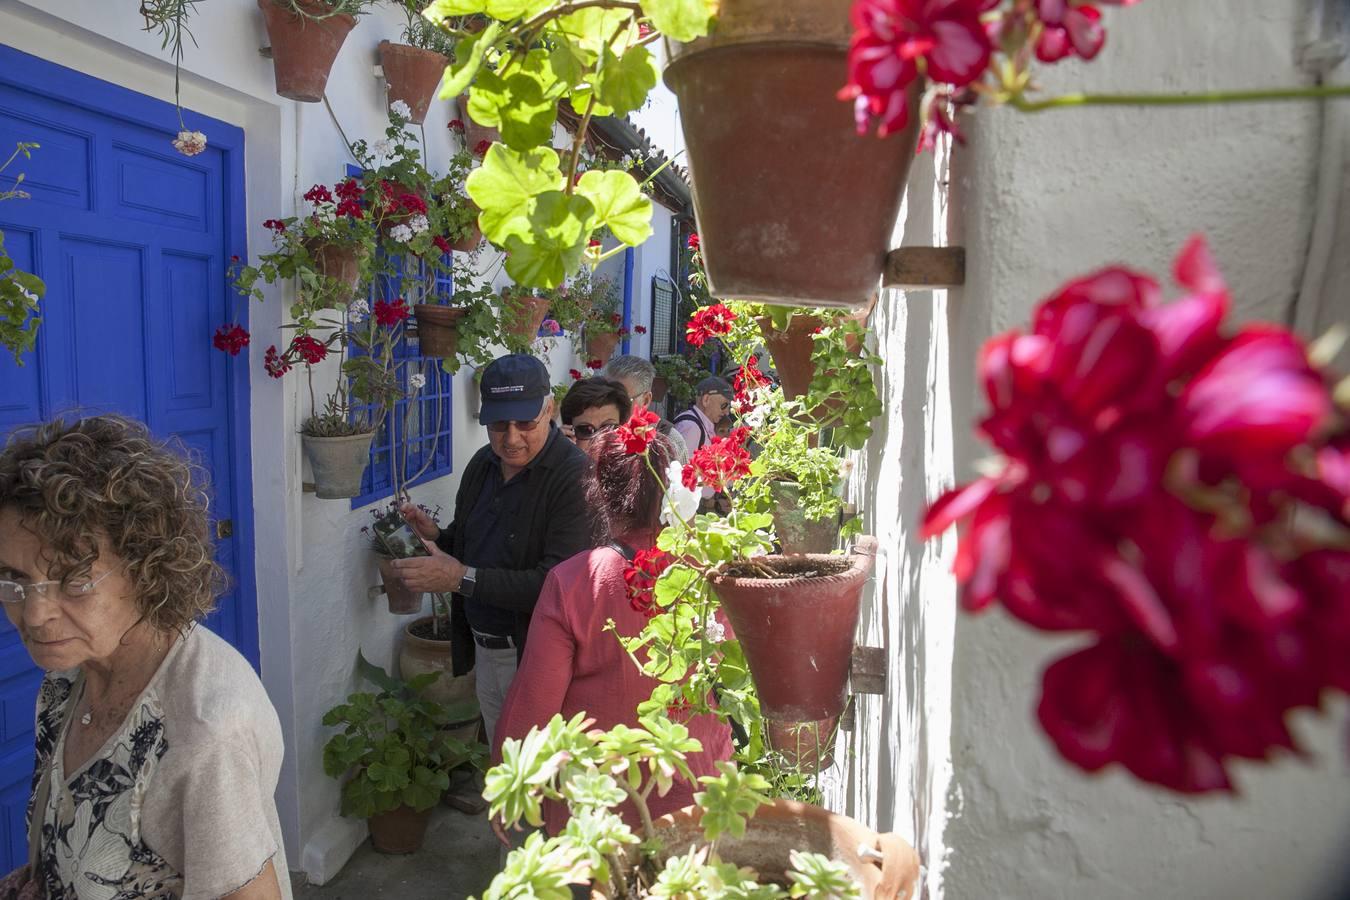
586, 432
15, 592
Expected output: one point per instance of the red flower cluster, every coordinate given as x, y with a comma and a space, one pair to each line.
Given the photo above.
277, 226
720, 463
639, 329
442, 244
748, 378
310, 349
231, 339
390, 314
481, 148
576, 374
639, 431
276, 364
319, 194
710, 321
596, 364
640, 577
456, 125
693, 242
350, 193
1154, 466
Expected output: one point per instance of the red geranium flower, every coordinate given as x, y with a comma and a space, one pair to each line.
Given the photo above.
720, 463
442, 244
276, 226
481, 148
276, 364
639, 329
595, 364
231, 339
350, 208
640, 577
748, 378
456, 125
390, 314
693, 242
412, 204
310, 349
576, 374
318, 194
710, 321
349, 189
639, 431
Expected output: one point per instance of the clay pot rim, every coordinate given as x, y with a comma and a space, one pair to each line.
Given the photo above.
408, 627
861, 560
337, 17
364, 435
395, 46
432, 312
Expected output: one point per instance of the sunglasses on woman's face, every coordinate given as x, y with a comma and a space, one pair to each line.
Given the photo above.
586, 432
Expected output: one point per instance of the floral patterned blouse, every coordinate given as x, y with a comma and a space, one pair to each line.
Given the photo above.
178, 803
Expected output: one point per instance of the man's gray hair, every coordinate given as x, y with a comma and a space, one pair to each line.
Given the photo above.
632, 368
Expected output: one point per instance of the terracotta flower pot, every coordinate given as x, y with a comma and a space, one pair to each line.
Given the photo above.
796, 533
402, 601
338, 463
340, 262
421, 653
413, 76
797, 634
438, 329
791, 348
601, 346
660, 387
469, 241
794, 207
401, 830
786, 825
473, 132
304, 49
522, 316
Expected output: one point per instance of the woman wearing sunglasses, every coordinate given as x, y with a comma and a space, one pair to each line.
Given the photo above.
157, 750
593, 406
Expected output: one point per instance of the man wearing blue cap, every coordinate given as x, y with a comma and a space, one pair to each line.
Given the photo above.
520, 510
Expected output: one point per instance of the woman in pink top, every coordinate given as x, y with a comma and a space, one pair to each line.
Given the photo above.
571, 663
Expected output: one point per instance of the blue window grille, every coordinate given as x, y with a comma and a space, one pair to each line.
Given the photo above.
415, 439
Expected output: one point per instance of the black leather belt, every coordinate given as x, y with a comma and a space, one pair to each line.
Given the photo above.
493, 641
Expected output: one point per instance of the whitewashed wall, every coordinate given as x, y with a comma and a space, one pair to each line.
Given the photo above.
313, 569
1037, 200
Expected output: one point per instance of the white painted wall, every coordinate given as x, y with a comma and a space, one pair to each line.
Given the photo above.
313, 569
1037, 200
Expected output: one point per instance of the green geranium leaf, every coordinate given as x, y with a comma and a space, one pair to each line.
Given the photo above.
591, 27
570, 61
623, 82
487, 98
530, 103
440, 10
581, 97
505, 183
619, 205
559, 225
468, 61
506, 10
681, 20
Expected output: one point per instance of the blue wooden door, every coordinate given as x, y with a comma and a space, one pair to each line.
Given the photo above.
132, 240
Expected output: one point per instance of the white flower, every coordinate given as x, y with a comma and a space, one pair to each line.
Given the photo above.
417, 381
716, 631
654, 152
189, 143
382, 147
401, 233
684, 501
357, 311
400, 109
418, 224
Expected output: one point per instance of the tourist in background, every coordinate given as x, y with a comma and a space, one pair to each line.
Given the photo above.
698, 424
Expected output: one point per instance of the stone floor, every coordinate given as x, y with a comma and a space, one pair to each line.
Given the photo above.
459, 858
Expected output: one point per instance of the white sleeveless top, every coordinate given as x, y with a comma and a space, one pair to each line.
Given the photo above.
178, 803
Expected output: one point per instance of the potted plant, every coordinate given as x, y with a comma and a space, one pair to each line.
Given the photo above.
19, 290
732, 842
604, 327
306, 36
327, 252
391, 539
413, 69
397, 755
523, 313
675, 376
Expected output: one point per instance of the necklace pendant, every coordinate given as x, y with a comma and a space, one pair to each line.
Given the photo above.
87, 718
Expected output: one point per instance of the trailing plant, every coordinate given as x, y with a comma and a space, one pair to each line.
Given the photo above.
20, 291
843, 391
394, 745
326, 9
169, 18
603, 315
531, 56
593, 772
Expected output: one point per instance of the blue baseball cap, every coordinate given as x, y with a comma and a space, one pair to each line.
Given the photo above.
513, 389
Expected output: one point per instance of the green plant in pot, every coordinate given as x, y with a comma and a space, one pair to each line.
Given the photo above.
413, 68
733, 842
679, 379
396, 754
391, 538
603, 328
20, 291
523, 311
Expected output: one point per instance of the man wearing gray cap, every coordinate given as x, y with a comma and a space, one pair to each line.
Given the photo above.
520, 510
698, 424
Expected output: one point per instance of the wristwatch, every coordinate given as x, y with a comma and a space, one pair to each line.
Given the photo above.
468, 582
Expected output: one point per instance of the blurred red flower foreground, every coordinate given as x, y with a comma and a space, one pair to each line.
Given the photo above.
1178, 491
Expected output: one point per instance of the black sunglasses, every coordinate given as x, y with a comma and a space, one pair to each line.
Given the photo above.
586, 432
502, 427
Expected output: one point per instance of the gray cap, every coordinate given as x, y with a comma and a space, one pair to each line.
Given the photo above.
714, 385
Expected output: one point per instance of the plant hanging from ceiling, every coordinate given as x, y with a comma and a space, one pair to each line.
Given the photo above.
169, 19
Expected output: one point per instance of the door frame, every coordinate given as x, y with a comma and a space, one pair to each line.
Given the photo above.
43, 78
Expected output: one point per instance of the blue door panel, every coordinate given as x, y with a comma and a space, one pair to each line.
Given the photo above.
133, 241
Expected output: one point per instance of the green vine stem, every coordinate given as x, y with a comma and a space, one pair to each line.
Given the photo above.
1067, 101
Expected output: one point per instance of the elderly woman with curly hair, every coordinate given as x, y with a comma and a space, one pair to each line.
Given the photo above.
157, 748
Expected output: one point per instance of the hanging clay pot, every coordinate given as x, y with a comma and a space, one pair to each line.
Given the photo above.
523, 315
469, 240
474, 134
413, 76
601, 346
341, 263
399, 831
438, 329
338, 463
796, 533
884, 866
304, 48
402, 601
794, 206
797, 633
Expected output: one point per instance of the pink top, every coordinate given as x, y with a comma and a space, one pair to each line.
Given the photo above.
572, 664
